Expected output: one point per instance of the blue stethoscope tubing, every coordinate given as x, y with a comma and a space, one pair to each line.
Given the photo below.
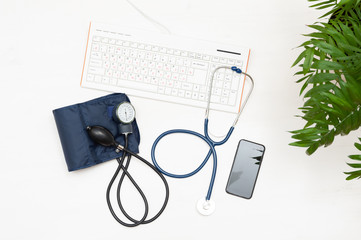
206, 138
212, 151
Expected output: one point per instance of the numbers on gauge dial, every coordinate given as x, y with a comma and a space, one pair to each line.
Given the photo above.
125, 112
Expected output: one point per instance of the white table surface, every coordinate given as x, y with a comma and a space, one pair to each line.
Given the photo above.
42, 45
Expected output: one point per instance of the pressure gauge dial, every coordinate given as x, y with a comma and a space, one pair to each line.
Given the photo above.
124, 113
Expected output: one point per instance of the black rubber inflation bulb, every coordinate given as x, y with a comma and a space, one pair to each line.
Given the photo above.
102, 136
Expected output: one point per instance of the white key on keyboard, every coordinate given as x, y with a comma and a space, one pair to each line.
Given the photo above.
163, 67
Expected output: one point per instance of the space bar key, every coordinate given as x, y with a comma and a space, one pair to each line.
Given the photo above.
137, 86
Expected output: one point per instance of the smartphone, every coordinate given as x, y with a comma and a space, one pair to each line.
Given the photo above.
246, 164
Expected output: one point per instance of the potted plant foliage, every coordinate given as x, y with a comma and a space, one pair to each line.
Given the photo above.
330, 73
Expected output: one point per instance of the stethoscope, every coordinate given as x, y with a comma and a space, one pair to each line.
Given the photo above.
205, 206
124, 114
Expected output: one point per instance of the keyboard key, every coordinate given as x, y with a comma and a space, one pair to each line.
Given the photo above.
215, 59
179, 61
109, 73
217, 91
139, 78
161, 90
95, 55
190, 71
235, 83
215, 99
170, 83
182, 70
168, 91
96, 71
232, 97
138, 85
187, 86
199, 65
96, 63
224, 100
172, 60
162, 82
170, 51
228, 77
98, 79
175, 76
202, 97
225, 93
174, 92
181, 93
154, 81
113, 81
95, 47
196, 87
90, 78
105, 80
231, 61
104, 48
206, 57
177, 84
124, 75
183, 78
111, 49
174, 68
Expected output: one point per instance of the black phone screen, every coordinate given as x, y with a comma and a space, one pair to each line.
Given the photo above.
244, 172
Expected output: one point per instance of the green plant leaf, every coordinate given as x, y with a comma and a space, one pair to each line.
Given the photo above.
353, 175
358, 146
342, 2
327, 65
320, 88
308, 60
323, 77
312, 148
338, 100
354, 165
299, 58
301, 143
329, 49
355, 157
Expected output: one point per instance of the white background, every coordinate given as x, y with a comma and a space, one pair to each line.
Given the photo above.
42, 44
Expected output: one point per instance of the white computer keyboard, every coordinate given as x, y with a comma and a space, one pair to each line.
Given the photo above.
163, 67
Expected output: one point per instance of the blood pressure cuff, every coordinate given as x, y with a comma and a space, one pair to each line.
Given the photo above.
79, 150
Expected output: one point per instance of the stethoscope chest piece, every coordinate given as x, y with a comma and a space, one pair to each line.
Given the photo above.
206, 207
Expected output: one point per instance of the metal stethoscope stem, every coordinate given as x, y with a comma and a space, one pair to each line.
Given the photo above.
211, 143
